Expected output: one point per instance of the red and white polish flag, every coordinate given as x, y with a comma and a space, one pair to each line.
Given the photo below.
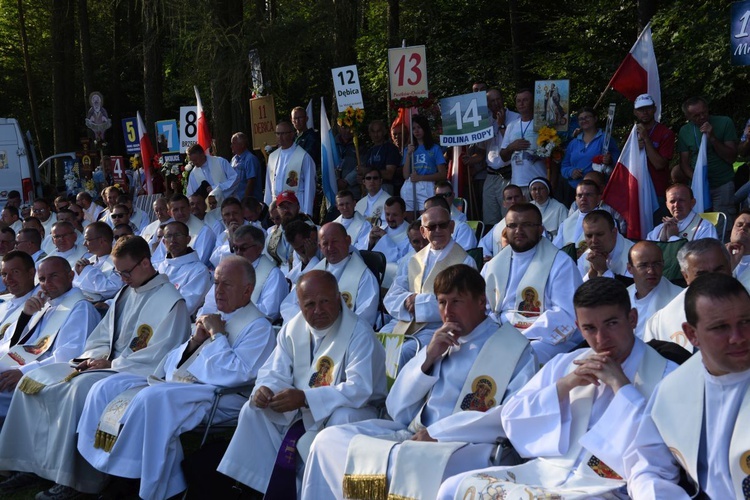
147, 153
638, 73
204, 135
630, 190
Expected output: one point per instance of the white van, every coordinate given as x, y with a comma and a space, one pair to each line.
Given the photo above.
18, 170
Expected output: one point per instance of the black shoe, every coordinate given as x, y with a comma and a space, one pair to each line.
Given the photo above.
18, 481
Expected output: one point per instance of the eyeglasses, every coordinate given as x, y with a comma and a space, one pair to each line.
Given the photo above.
118, 216
127, 274
523, 225
172, 236
650, 265
242, 248
445, 195
60, 236
438, 225
372, 177
89, 240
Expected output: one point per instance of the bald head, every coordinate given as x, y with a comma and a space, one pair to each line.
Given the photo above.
319, 299
646, 264
55, 276
334, 242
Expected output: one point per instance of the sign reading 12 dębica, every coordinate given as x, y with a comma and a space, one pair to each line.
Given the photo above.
466, 119
346, 84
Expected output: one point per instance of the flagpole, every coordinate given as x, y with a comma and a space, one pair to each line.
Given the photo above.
413, 169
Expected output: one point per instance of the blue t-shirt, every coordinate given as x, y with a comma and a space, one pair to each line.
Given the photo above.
426, 161
247, 167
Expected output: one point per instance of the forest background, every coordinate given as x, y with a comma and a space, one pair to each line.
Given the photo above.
146, 55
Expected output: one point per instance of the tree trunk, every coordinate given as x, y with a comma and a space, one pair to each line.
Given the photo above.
393, 24
646, 10
345, 34
114, 100
29, 80
515, 40
84, 40
153, 65
66, 121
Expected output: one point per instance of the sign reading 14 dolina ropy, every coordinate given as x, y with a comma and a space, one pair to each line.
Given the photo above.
466, 119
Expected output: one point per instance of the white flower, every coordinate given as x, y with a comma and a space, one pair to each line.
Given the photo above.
188, 167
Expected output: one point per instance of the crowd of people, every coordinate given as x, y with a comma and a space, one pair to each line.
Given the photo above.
394, 349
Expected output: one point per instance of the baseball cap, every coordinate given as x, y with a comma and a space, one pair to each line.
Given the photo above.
287, 196
643, 101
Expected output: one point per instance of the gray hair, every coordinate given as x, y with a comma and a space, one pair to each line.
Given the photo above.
246, 265
255, 234
698, 248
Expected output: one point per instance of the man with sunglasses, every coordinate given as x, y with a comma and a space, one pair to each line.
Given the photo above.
41, 210
371, 206
530, 284
95, 276
462, 233
410, 300
121, 215
148, 318
444, 189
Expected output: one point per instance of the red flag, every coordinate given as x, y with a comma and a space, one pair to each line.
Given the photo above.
630, 190
639, 74
204, 135
147, 153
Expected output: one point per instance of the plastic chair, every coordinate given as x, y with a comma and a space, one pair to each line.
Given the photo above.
392, 343
478, 255
719, 220
478, 227
376, 262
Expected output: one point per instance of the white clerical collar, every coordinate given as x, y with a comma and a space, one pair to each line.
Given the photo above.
227, 316
288, 151
320, 334
400, 229
190, 256
478, 331
438, 255
67, 252
684, 223
339, 265
16, 301
346, 222
375, 196
728, 379
56, 301
524, 255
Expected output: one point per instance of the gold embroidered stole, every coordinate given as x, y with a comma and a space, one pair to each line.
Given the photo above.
416, 269
349, 279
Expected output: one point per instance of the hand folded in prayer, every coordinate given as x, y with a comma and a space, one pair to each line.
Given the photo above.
604, 368
93, 364
287, 400
598, 262
670, 228
262, 397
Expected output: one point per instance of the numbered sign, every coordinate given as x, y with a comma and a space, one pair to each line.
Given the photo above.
466, 119
130, 131
166, 136
739, 38
346, 84
407, 68
263, 122
118, 171
188, 127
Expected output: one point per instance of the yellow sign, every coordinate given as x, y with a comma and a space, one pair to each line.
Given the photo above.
263, 122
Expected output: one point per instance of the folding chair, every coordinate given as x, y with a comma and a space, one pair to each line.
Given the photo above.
478, 227
376, 262
478, 255
218, 393
719, 220
460, 204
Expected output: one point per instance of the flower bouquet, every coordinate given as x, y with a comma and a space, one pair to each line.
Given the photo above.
547, 142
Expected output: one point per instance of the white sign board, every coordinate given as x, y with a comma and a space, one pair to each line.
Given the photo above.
407, 70
188, 127
346, 84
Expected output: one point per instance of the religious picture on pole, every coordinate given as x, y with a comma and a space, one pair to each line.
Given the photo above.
551, 104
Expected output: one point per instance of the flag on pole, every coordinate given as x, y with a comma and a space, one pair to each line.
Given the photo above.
630, 190
329, 156
700, 178
309, 112
147, 153
638, 73
204, 135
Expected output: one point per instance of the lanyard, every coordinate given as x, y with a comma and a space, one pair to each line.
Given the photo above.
523, 130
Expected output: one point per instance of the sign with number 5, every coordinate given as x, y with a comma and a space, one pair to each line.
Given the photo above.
407, 69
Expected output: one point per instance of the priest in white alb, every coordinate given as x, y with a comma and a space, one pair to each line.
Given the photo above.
131, 424
577, 416
445, 405
391, 239
148, 318
213, 170
492, 242
18, 274
327, 368
650, 291
607, 250
357, 226
588, 197
372, 204
95, 275
697, 420
410, 300
696, 257
202, 238
530, 284
359, 287
291, 169
739, 247
684, 223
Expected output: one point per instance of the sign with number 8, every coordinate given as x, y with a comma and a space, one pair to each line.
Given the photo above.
407, 69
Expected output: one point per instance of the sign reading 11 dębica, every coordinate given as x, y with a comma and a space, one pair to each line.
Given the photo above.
346, 84
466, 119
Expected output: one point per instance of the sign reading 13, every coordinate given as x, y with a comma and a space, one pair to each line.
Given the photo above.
407, 68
